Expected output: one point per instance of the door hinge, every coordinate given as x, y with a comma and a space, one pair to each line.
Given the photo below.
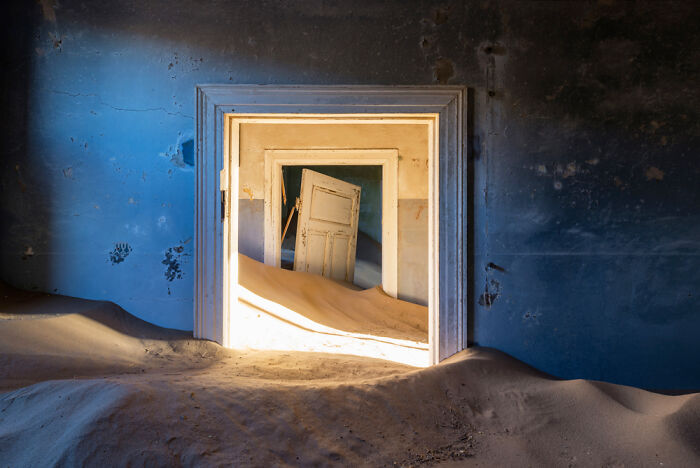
223, 187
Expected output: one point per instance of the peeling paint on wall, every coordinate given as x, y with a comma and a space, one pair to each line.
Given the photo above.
119, 253
181, 154
172, 263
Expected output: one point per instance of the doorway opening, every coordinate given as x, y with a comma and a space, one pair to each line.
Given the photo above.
328, 171
386, 312
226, 191
365, 240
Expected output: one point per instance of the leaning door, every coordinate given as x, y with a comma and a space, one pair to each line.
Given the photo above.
327, 226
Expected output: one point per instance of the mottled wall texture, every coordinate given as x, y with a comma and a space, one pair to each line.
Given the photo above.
584, 201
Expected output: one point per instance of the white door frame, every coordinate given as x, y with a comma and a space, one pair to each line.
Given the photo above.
388, 159
216, 275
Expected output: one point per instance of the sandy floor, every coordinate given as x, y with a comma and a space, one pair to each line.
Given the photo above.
86, 384
332, 304
286, 310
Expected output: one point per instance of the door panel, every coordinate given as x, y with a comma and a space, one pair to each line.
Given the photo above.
315, 252
331, 207
327, 226
339, 256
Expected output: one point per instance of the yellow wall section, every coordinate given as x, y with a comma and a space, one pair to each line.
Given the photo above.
410, 139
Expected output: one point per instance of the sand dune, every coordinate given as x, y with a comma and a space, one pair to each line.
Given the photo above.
86, 384
294, 311
331, 304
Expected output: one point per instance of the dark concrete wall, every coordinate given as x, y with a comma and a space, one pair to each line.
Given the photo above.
585, 202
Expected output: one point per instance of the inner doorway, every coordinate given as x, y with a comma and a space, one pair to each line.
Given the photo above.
354, 255
381, 205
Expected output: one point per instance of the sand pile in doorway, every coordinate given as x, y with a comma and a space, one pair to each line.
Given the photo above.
334, 304
286, 310
86, 384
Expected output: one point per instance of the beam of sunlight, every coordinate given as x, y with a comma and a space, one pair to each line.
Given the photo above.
259, 323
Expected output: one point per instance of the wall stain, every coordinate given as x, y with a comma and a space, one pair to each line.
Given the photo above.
120, 252
531, 316
48, 10
492, 290
420, 210
249, 191
440, 15
654, 173
443, 70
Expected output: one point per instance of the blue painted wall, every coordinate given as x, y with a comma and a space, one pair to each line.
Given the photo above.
585, 146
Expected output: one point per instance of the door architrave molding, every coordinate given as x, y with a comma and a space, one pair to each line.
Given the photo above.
216, 276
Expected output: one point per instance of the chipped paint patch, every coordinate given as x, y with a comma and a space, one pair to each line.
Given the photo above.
57, 41
181, 154
187, 150
28, 252
532, 316
172, 263
120, 252
570, 170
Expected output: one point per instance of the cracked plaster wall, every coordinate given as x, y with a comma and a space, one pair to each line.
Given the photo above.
585, 204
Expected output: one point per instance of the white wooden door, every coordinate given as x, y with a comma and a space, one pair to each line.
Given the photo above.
327, 226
